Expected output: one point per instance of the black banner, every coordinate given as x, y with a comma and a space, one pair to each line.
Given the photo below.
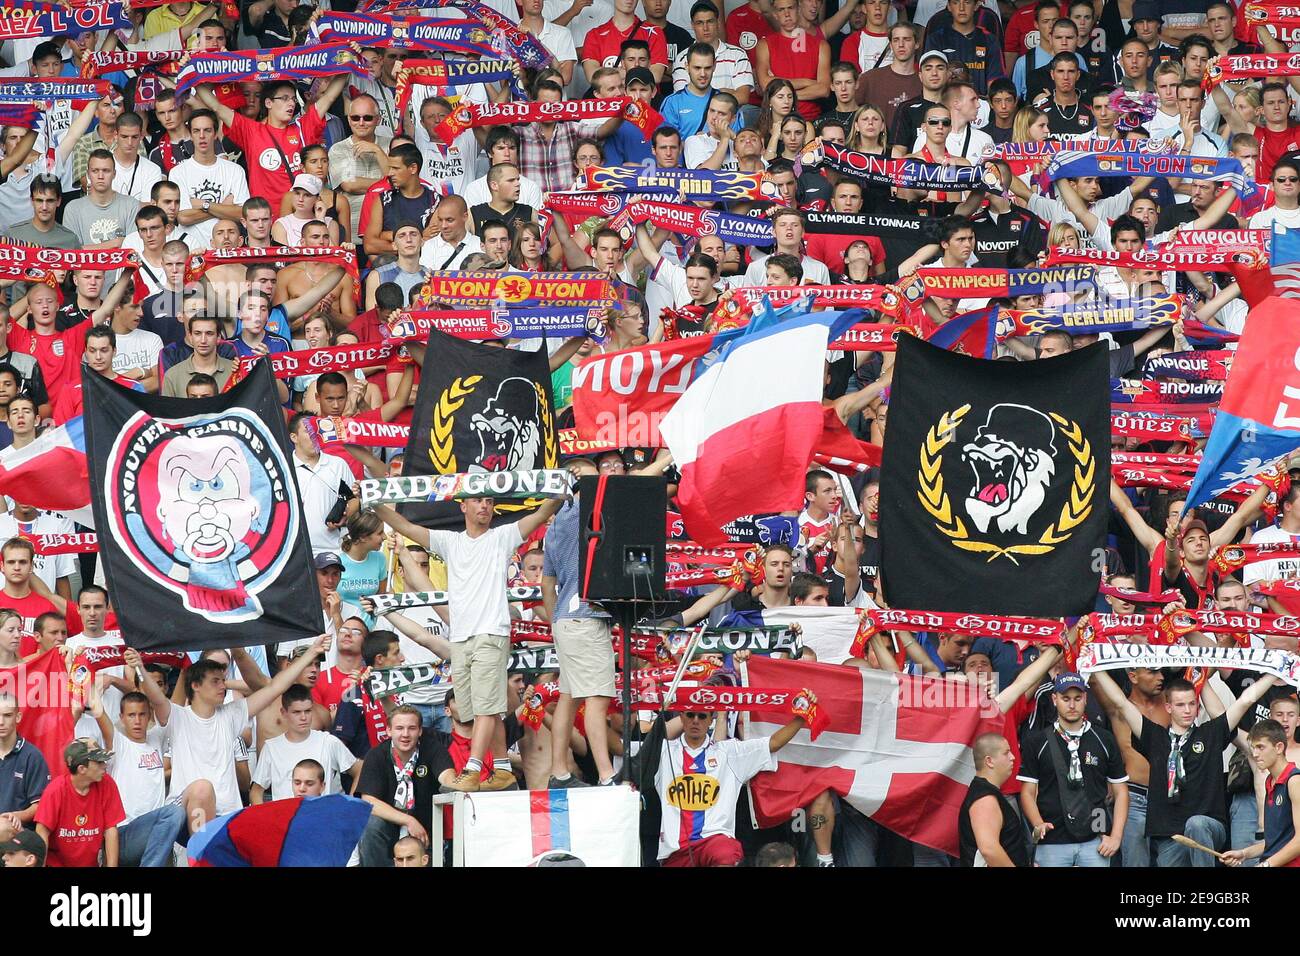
994, 482
479, 408
200, 525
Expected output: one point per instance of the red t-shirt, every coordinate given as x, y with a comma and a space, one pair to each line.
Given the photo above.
69, 404
397, 366
77, 823
745, 27
1272, 147
602, 44
1023, 24
830, 249
329, 688
267, 176
30, 607
1020, 712
796, 58
58, 354
229, 94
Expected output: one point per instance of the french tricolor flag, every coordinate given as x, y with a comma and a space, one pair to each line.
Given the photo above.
745, 430
51, 473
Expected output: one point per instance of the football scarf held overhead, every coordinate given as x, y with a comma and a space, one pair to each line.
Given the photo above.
1230, 557
1253, 66
388, 681
25, 92
509, 288
901, 173
1150, 427
289, 63
408, 33
692, 184
737, 305
35, 262
583, 204
1258, 418
474, 115
872, 337
1165, 391
549, 483
389, 601
997, 471
328, 358
479, 409
995, 283
499, 323
28, 117
1194, 366
694, 221
241, 557
1071, 164
97, 658
74, 543
281, 256
875, 620
53, 21
506, 36
1185, 259
1107, 657
445, 75
112, 61
1091, 318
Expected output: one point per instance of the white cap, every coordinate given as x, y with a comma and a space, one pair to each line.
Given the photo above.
308, 183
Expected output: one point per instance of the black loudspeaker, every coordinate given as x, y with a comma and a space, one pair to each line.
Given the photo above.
627, 525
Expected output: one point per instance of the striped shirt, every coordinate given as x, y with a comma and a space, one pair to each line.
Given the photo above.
731, 69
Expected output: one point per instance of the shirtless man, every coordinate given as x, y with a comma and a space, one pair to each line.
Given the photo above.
1147, 695
300, 277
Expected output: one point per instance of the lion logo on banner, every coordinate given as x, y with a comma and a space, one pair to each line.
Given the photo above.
202, 507
1013, 458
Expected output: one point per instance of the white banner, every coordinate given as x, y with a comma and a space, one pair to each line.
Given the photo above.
598, 825
1106, 657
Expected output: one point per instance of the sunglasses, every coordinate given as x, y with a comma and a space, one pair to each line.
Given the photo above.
368, 118
1286, 179
692, 715
939, 122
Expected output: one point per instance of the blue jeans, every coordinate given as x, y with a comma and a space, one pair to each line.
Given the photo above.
1202, 829
147, 840
1243, 821
925, 856
856, 837
434, 717
1071, 854
1135, 848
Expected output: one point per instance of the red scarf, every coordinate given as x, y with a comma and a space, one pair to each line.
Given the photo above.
473, 115
1188, 259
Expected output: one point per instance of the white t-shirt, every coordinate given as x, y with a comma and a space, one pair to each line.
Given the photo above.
346, 610
435, 694
137, 769
438, 254
1277, 568
199, 183
814, 271
318, 488
700, 147
279, 755
476, 579
530, 194
137, 349
204, 749
703, 785
136, 181
1266, 218
48, 567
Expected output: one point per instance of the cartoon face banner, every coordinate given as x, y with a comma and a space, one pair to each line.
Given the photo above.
199, 517
996, 477
480, 409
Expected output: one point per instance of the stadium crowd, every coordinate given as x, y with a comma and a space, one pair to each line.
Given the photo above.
1078, 776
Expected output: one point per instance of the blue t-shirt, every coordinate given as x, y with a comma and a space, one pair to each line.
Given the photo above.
362, 579
273, 344
687, 113
627, 145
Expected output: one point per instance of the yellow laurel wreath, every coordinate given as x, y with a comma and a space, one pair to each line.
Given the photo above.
442, 450
935, 500
550, 454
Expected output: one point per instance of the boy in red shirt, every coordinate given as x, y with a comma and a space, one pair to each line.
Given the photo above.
79, 813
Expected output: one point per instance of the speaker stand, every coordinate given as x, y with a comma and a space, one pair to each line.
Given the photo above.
625, 616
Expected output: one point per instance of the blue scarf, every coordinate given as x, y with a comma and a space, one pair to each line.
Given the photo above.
1134, 163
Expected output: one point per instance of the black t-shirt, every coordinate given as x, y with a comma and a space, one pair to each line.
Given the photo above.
70, 315
1012, 836
813, 186
1184, 212
996, 236
1101, 763
1239, 681
907, 121
483, 213
379, 777
1203, 788
678, 42
1069, 121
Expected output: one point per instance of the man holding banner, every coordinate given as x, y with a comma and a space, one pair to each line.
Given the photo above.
1187, 796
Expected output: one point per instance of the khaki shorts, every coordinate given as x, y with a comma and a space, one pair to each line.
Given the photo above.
585, 648
478, 675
